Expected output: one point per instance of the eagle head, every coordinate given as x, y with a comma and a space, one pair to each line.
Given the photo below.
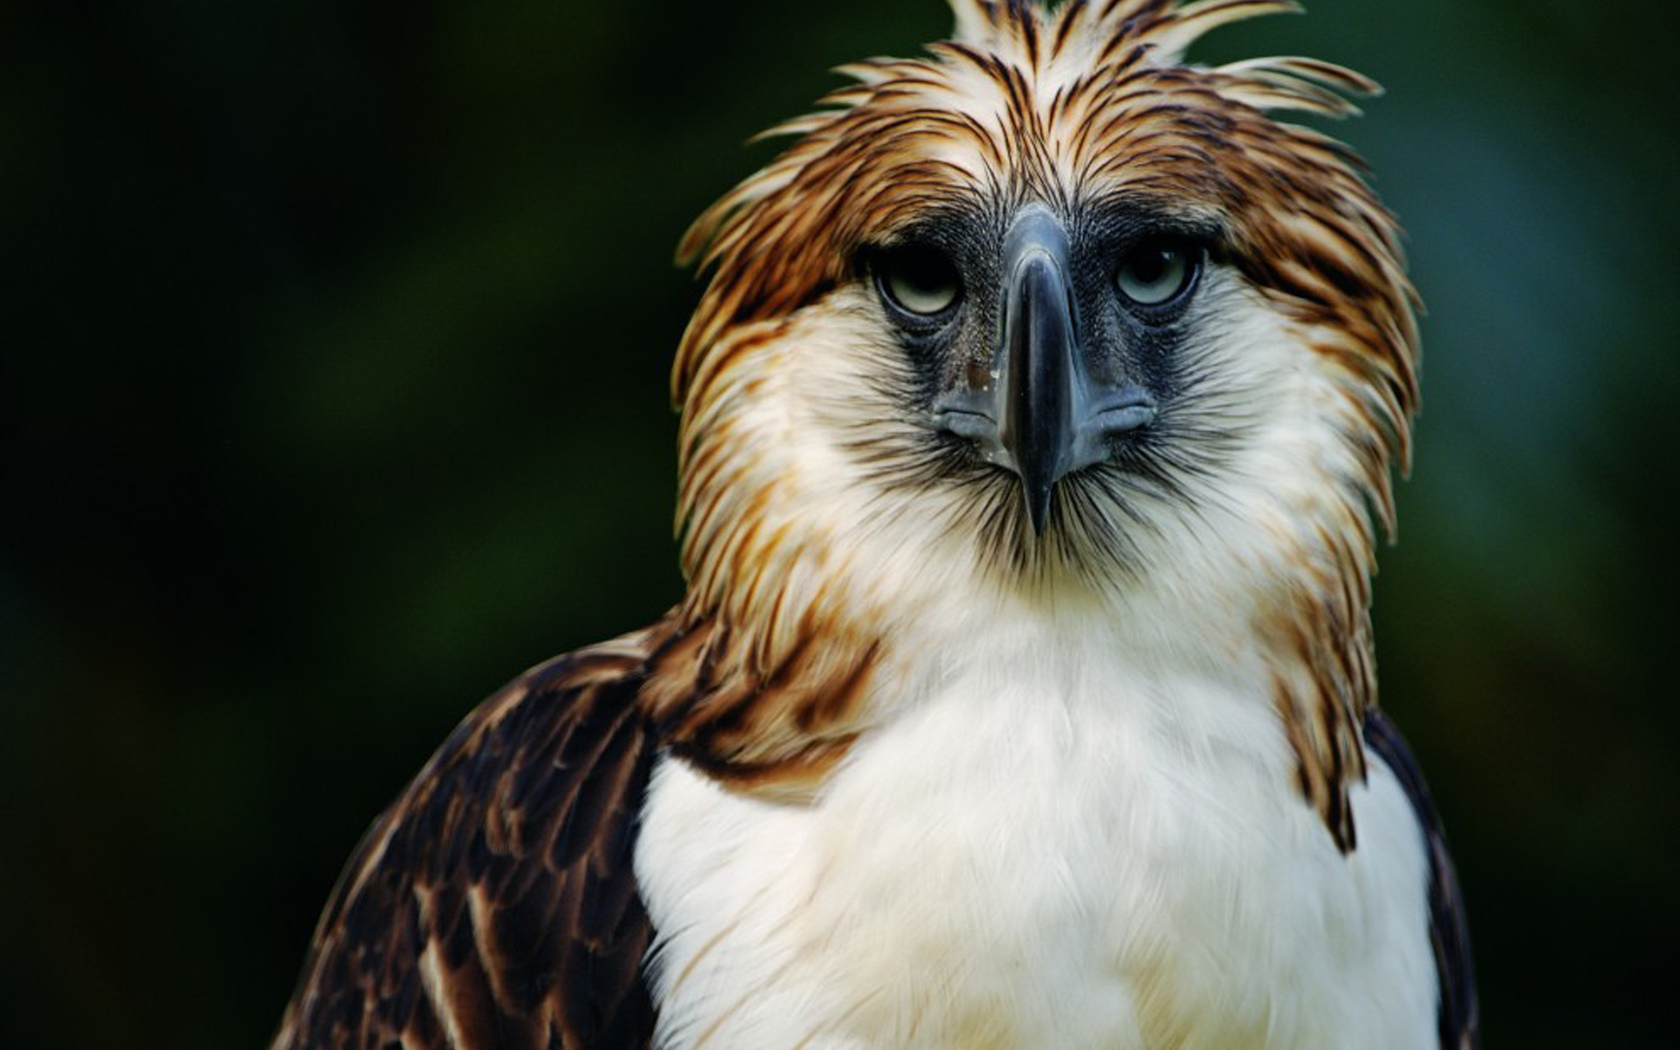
1049, 316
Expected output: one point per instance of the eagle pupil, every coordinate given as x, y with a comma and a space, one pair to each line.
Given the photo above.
1150, 266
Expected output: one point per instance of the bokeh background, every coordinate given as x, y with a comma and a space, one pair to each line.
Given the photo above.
333, 394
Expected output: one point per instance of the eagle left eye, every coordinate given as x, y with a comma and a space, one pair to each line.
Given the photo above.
918, 280
1157, 273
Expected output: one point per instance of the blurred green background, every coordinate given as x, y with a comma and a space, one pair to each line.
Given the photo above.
333, 394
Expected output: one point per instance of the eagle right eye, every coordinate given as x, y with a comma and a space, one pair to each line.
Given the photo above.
919, 281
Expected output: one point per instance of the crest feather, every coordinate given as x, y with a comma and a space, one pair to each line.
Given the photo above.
1170, 26
1186, 24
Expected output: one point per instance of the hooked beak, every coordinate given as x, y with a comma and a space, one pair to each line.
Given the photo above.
1043, 416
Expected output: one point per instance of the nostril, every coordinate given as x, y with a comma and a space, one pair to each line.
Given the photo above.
968, 414
1122, 410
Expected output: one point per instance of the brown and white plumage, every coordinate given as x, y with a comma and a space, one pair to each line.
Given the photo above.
975, 729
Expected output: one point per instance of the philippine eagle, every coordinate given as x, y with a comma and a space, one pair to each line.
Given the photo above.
1037, 425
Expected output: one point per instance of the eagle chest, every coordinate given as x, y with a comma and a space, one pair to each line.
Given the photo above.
1010, 865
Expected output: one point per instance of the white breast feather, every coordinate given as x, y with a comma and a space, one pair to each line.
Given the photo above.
1054, 851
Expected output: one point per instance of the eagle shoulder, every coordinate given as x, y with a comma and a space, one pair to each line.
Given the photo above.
494, 904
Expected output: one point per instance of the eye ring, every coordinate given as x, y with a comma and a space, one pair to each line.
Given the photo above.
1158, 274
919, 282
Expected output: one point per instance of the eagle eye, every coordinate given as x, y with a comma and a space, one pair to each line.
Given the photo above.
1158, 273
918, 280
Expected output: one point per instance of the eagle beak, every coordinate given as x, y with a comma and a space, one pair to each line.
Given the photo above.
1042, 377
1043, 416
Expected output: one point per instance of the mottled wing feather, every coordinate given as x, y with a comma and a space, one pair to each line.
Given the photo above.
1458, 1015
495, 905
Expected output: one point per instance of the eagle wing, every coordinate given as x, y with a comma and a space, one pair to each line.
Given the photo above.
494, 904
1458, 1014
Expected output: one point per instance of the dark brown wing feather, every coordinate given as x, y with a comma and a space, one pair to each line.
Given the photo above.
495, 905
1458, 1014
